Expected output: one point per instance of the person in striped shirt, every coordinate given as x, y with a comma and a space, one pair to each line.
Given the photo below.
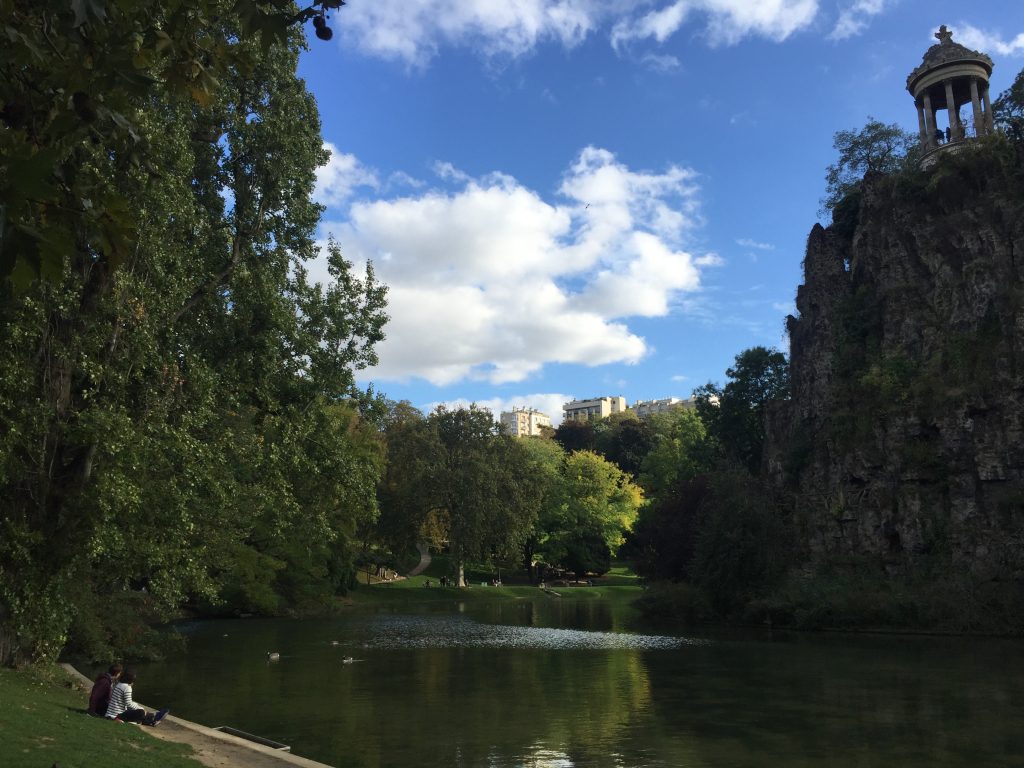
121, 706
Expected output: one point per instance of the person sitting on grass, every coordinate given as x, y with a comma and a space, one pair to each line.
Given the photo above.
123, 709
99, 697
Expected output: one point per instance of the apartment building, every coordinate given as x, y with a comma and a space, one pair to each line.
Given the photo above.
524, 422
595, 408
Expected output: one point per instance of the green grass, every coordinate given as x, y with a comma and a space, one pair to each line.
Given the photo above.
43, 721
618, 584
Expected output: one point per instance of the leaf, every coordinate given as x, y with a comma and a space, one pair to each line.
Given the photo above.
30, 177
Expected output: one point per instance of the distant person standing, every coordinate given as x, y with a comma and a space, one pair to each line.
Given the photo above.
99, 697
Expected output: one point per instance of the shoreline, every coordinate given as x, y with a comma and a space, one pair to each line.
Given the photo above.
211, 747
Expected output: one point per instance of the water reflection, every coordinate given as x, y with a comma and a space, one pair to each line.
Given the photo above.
506, 685
463, 632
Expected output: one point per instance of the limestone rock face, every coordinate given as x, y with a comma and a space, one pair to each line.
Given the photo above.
905, 433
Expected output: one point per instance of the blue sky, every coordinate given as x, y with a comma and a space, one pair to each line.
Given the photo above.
572, 198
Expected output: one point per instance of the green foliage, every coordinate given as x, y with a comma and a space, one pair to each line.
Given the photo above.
576, 435
184, 427
734, 415
624, 439
875, 148
679, 452
931, 597
1008, 110
745, 544
75, 79
663, 542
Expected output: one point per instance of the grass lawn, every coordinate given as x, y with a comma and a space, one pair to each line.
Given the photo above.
618, 584
43, 721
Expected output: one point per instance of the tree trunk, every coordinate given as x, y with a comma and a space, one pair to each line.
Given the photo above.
461, 575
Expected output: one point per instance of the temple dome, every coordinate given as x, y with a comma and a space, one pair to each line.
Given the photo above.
947, 52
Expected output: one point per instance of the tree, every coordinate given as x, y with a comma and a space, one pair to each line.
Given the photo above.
875, 148
679, 452
171, 416
734, 415
575, 435
624, 439
74, 81
479, 480
1008, 110
544, 461
412, 454
595, 498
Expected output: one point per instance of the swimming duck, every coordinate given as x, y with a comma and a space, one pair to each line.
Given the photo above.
273, 656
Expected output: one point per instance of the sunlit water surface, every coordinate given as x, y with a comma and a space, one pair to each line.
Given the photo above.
571, 685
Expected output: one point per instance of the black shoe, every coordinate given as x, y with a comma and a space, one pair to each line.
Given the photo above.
160, 716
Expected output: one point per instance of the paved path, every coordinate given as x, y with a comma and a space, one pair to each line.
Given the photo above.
424, 559
211, 747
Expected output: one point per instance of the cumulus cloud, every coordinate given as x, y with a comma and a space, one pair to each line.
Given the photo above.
489, 281
549, 404
989, 42
339, 178
413, 31
726, 22
854, 18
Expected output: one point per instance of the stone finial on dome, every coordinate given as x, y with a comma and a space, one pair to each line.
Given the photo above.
944, 35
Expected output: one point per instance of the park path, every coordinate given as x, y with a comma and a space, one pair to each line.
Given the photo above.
211, 747
424, 559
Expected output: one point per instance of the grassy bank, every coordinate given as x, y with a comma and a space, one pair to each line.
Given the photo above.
43, 722
618, 584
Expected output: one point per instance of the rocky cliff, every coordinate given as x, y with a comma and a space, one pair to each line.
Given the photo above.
904, 437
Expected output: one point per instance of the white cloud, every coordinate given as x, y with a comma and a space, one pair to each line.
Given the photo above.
854, 18
491, 282
988, 42
414, 31
549, 404
661, 63
336, 181
746, 242
680, 378
727, 22
709, 260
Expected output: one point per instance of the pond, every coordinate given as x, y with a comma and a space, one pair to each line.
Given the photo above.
573, 684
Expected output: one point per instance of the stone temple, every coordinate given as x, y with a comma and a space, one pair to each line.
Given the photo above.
950, 76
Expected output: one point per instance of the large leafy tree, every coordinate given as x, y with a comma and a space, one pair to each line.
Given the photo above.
175, 419
734, 414
680, 451
584, 520
73, 77
875, 148
480, 482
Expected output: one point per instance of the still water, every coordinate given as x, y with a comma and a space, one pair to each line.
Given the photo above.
574, 685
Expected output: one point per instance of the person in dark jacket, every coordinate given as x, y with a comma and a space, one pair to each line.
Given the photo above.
99, 697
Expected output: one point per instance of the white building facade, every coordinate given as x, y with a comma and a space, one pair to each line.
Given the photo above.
524, 422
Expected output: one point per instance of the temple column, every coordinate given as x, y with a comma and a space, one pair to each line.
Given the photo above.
955, 130
989, 128
979, 120
922, 128
929, 120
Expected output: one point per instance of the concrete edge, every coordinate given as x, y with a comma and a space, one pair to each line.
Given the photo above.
285, 758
